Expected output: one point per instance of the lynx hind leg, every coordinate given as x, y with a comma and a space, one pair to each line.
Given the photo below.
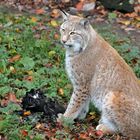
106, 126
119, 114
111, 112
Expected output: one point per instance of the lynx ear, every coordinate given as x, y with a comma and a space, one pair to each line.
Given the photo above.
84, 22
64, 14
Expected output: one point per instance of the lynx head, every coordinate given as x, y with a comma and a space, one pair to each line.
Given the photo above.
75, 33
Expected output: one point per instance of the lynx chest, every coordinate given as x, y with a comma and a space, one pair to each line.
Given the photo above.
70, 69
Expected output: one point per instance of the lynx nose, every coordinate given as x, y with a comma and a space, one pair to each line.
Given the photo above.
64, 41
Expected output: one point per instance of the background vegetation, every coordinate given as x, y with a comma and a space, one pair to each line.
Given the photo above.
31, 57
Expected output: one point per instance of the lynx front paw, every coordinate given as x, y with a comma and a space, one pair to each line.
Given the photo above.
60, 117
104, 129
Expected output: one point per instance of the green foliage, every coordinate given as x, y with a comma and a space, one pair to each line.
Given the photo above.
112, 16
40, 64
18, 37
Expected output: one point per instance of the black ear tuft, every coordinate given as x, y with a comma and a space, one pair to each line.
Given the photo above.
64, 14
84, 22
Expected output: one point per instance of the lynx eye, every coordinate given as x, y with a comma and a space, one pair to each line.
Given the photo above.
63, 30
71, 33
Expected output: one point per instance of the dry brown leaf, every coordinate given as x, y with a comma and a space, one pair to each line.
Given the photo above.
40, 11
124, 22
55, 13
137, 18
29, 78
130, 15
38, 126
14, 58
4, 102
56, 36
83, 136
10, 97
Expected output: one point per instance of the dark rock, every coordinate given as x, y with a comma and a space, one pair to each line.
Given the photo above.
120, 5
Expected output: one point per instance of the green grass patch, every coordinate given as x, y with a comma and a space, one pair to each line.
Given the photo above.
32, 57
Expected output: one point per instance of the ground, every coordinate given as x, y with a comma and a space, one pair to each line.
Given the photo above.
32, 57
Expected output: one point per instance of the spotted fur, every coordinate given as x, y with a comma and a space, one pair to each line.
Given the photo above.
99, 75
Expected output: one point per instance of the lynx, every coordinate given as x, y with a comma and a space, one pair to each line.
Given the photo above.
99, 75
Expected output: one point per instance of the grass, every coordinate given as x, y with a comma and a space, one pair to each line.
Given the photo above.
32, 57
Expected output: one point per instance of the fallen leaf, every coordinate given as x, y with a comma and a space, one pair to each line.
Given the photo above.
30, 72
54, 23
51, 53
137, 18
27, 113
55, 13
99, 133
29, 78
124, 22
61, 91
12, 69
24, 133
56, 36
34, 19
83, 136
38, 126
130, 15
4, 102
49, 134
40, 11
14, 58
10, 97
